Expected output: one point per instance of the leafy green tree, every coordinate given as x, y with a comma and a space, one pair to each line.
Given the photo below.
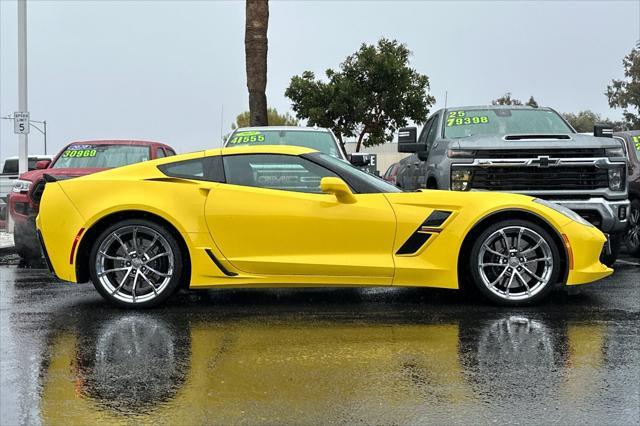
255, 48
506, 99
625, 93
273, 119
584, 121
374, 93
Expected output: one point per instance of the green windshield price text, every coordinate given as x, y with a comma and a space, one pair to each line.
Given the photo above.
459, 118
79, 153
246, 137
636, 141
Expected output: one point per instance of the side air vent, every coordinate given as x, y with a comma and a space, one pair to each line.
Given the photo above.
424, 232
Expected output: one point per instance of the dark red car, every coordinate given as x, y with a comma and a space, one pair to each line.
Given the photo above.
391, 174
76, 159
632, 237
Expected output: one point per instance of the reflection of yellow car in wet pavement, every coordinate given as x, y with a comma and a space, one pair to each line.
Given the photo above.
290, 216
148, 369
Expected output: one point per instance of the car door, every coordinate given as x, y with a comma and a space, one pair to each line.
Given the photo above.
421, 166
271, 218
436, 150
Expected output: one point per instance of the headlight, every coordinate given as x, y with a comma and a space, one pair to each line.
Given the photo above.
21, 186
460, 179
616, 179
615, 152
460, 153
564, 211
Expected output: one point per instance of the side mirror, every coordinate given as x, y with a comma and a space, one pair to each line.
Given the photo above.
603, 131
359, 159
339, 188
408, 140
42, 164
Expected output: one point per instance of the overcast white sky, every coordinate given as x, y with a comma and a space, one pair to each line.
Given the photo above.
162, 69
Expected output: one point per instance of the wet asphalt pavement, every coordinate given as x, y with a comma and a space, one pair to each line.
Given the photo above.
310, 356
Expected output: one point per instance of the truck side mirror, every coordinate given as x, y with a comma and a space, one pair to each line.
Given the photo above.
423, 155
42, 164
603, 131
359, 159
408, 140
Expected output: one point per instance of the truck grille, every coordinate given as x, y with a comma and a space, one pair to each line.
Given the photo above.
534, 178
535, 153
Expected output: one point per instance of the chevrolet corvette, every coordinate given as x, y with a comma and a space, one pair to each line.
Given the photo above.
284, 216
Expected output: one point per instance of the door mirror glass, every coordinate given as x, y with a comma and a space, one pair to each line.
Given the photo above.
408, 140
42, 164
339, 188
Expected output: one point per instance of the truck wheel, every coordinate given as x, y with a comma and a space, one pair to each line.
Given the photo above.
615, 242
514, 262
136, 263
632, 236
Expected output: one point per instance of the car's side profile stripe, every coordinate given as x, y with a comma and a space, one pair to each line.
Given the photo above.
220, 265
423, 233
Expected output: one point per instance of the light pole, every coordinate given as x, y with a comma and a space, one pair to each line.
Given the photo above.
23, 139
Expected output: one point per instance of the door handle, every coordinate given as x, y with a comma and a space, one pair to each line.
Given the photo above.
204, 190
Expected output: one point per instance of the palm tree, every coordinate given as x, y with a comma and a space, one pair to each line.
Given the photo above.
255, 47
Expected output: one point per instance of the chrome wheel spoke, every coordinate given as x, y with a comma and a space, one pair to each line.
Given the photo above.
530, 249
133, 287
506, 268
124, 246
157, 256
524, 282
532, 274
134, 238
121, 284
162, 274
108, 271
490, 250
144, 277
106, 256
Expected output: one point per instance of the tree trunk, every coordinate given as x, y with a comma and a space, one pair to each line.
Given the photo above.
255, 47
359, 144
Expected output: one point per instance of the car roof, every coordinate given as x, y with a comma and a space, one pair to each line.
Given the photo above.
283, 128
117, 142
262, 149
475, 107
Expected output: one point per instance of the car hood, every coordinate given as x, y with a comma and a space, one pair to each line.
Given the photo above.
484, 142
36, 175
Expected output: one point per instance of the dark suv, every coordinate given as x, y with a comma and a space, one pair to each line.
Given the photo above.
632, 141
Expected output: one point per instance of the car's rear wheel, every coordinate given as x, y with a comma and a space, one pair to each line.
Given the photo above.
632, 236
136, 263
514, 262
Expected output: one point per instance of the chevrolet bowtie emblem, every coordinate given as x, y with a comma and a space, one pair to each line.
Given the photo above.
544, 161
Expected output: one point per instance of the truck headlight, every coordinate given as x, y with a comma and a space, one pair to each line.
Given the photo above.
564, 211
21, 186
616, 179
615, 152
460, 179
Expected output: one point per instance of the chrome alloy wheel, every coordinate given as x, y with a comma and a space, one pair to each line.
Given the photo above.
633, 231
134, 264
515, 263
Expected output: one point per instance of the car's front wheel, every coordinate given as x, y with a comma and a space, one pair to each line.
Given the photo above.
514, 262
136, 263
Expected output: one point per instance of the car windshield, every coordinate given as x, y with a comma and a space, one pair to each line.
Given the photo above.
502, 121
101, 156
319, 140
349, 173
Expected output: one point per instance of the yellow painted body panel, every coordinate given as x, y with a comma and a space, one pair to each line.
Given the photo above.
285, 238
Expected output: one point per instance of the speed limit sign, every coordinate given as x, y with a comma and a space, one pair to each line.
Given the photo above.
21, 123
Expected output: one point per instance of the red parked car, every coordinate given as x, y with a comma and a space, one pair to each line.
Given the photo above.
76, 159
391, 174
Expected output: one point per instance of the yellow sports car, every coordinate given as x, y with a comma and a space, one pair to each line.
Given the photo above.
284, 216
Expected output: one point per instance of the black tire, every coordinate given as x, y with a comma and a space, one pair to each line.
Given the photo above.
506, 272
632, 235
615, 242
26, 242
175, 256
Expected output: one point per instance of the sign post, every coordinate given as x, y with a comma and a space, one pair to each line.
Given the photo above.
23, 140
21, 123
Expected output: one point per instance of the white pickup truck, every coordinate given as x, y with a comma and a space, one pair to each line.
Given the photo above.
10, 172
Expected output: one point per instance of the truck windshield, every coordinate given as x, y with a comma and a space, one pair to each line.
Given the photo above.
320, 141
100, 156
501, 121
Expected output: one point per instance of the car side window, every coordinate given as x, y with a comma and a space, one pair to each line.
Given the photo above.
433, 132
169, 152
275, 171
425, 131
206, 168
159, 153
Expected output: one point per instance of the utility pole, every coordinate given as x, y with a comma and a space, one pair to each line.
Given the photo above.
23, 138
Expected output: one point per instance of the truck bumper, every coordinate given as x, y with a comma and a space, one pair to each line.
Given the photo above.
608, 216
